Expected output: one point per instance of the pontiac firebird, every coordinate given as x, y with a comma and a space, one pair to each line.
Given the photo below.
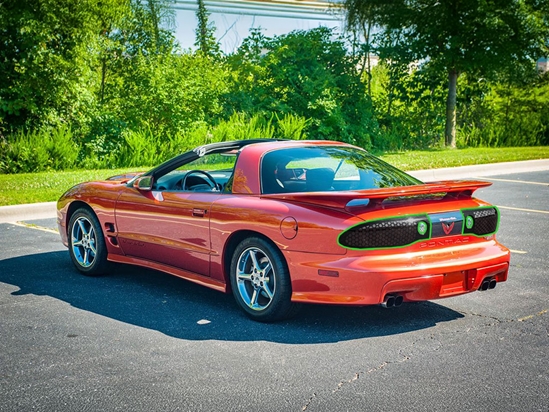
280, 223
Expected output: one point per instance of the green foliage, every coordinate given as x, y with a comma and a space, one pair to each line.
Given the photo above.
205, 33
89, 83
167, 93
409, 107
45, 63
508, 115
143, 148
458, 36
305, 73
292, 127
241, 127
51, 149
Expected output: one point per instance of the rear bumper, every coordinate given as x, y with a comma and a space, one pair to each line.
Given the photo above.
416, 276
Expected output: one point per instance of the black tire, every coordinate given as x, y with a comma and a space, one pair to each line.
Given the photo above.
260, 281
86, 243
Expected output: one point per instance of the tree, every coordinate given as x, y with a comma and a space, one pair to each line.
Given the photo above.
482, 38
362, 17
44, 61
309, 74
147, 28
205, 32
135, 41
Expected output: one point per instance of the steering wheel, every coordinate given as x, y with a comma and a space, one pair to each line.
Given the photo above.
210, 180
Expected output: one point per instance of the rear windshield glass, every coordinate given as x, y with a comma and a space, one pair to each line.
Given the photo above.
327, 168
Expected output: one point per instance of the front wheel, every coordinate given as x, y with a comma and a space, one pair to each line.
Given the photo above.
86, 243
260, 281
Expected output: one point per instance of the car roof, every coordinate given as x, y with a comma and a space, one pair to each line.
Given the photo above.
246, 176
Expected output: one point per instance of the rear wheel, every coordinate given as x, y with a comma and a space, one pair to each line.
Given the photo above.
260, 281
87, 243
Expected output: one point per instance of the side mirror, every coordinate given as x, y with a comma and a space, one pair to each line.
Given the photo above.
144, 183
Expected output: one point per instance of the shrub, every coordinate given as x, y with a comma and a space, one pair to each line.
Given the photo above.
35, 151
241, 127
292, 127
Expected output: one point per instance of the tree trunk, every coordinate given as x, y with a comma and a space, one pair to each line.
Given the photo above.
450, 130
155, 19
367, 30
103, 78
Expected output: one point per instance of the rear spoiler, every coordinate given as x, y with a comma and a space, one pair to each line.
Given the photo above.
372, 197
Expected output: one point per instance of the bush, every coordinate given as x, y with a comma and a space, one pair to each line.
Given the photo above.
241, 127
292, 127
144, 147
35, 151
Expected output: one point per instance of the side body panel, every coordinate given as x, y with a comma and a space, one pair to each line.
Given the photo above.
171, 228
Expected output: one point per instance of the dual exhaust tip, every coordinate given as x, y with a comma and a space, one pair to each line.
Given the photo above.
392, 301
487, 284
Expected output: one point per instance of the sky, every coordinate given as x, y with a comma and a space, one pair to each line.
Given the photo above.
233, 26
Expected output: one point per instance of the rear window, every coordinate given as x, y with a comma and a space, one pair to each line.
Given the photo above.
327, 168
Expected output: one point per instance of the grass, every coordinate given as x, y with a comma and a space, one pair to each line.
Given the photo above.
435, 159
48, 186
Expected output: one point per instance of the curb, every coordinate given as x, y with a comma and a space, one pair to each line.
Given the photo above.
48, 210
493, 169
31, 211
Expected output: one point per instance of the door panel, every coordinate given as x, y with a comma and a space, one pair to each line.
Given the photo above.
172, 228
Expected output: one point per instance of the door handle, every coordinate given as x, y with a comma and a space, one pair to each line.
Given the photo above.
199, 212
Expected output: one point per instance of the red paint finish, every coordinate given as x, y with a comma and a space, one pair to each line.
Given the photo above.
191, 234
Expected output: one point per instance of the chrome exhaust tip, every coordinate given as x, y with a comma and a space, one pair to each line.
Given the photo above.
388, 302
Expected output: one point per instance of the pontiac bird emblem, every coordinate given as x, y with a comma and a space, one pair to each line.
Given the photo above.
447, 227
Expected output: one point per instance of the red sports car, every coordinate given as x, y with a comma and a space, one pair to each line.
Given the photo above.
281, 223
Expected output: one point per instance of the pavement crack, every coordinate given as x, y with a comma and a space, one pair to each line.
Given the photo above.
357, 375
304, 408
497, 321
354, 378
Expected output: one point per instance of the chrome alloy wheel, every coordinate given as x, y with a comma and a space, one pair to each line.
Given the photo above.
255, 278
83, 242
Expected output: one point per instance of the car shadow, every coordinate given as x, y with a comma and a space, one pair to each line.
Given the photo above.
184, 310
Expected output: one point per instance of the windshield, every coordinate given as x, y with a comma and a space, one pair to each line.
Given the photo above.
327, 168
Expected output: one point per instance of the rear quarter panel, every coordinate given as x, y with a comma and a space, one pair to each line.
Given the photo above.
290, 227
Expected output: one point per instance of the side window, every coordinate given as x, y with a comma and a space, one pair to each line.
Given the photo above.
209, 173
271, 166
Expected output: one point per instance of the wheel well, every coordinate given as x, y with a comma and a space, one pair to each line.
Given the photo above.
230, 247
73, 207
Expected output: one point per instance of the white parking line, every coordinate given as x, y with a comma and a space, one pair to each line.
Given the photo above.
514, 181
36, 227
523, 210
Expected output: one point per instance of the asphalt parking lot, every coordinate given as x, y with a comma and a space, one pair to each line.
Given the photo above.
139, 340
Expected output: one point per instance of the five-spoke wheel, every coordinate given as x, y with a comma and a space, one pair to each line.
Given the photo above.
260, 281
86, 243
255, 278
